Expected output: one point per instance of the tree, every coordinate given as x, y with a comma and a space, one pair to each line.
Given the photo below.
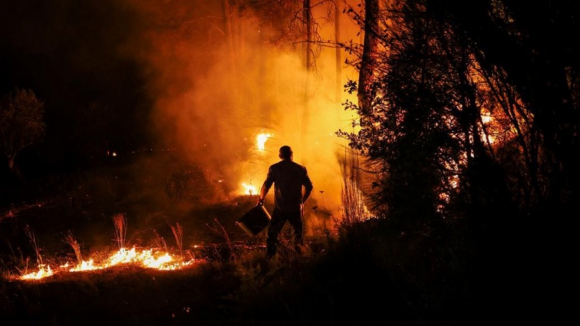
404, 117
472, 121
21, 123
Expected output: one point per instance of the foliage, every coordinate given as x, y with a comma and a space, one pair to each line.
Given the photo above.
453, 124
21, 123
410, 133
284, 17
472, 120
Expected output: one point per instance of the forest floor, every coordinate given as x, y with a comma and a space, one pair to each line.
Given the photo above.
360, 274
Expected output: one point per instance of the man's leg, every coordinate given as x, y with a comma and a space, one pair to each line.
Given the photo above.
274, 229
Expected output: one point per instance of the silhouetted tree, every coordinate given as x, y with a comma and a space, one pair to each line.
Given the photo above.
21, 123
472, 123
532, 48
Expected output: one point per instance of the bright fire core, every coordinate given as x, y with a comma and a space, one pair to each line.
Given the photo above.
261, 140
249, 189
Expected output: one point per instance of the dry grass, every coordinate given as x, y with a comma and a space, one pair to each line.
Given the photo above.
353, 210
178, 235
34, 241
160, 241
220, 230
352, 203
120, 223
71, 241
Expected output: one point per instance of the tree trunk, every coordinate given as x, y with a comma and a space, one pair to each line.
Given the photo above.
308, 32
366, 78
338, 49
308, 66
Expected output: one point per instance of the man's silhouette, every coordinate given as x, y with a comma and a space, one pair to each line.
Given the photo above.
292, 187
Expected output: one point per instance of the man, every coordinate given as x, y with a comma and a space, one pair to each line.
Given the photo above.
292, 187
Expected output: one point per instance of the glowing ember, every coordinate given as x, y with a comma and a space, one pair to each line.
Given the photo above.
145, 258
249, 189
261, 140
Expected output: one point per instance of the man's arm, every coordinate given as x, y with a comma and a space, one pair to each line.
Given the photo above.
263, 191
265, 187
307, 188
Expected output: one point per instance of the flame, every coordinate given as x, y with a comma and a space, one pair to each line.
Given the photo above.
249, 189
261, 140
146, 258
43, 271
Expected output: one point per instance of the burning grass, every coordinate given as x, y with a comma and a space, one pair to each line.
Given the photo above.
153, 258
147, 258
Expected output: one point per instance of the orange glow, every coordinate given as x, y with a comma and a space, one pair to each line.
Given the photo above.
258, 95
148, 258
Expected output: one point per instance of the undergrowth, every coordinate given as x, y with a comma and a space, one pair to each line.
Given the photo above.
354, 270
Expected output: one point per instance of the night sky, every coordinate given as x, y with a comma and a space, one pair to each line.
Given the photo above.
73, 55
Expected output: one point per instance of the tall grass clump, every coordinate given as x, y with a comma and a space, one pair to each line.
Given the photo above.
220, 230
34, 241
120, 223
352, 196
178, 235
71, 241
160, 241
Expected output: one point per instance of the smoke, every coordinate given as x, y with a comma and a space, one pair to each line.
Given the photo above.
212, 98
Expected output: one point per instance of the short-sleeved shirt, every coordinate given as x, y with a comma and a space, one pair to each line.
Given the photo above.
288, 178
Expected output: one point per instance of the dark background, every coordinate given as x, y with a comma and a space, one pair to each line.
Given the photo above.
70, 54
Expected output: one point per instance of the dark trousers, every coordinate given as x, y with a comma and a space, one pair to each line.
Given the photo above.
279, 218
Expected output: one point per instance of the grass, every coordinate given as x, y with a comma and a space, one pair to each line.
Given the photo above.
71, 241
120, 223
353, 273
353, 279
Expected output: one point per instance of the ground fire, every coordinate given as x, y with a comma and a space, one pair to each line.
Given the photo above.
148, 258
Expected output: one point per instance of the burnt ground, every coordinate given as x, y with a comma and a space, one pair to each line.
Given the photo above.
119, 296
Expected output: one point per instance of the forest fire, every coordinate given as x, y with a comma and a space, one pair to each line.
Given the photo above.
148, 258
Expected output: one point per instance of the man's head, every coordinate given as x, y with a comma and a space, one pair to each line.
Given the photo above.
285, 152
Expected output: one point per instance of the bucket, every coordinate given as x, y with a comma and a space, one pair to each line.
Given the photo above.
254, 221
